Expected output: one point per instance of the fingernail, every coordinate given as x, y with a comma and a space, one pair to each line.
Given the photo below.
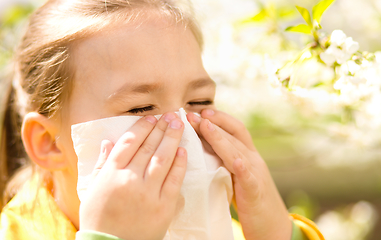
181, 152
210, 126
176, 124
196, 118
169, 117
150, 119
103, 147
209, 112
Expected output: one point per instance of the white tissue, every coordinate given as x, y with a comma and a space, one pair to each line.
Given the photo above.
207, 187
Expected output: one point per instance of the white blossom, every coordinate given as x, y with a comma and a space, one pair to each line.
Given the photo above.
338, 37
329, 56
350, 46
339, 84
378, 57
353, 67
340, 50
249, 66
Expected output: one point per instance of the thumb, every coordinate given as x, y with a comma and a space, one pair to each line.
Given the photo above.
106, 147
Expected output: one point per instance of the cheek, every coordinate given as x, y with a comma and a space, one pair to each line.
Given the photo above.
68, 153
72, 161
198, 109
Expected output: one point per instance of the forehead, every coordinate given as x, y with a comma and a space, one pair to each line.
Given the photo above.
133, 46
153, 52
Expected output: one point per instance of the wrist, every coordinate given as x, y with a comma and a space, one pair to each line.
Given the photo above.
267, 227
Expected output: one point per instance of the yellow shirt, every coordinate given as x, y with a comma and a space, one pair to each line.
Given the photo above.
33, 214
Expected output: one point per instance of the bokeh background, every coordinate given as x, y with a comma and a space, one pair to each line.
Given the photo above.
332, 178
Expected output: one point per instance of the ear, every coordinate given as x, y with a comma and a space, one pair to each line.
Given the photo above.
39, 137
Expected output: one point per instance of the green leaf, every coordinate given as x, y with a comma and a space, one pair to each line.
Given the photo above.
320, 8
259, 17
305, 14
301, 28
285, 13
15, 14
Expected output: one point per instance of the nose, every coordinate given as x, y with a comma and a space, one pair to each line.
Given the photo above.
172, 107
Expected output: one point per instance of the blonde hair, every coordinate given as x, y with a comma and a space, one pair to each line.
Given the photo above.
43, 73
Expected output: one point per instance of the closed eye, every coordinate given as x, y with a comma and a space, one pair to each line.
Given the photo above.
141, 110
201, 103
150, 108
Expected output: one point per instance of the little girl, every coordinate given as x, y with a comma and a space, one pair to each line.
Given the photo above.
82, 60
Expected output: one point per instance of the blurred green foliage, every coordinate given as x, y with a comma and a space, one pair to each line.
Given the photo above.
13, 15
313, 24
11, 20
301, 203
271, 12
272, 16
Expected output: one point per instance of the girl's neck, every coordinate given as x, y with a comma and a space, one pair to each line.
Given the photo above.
65, 194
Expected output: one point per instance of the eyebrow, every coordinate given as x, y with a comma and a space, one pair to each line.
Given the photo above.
148, 88
132, 90
202, 82
145, 88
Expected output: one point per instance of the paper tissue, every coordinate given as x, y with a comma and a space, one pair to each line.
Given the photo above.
207, 186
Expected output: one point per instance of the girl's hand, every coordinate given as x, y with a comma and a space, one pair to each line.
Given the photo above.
136, 183
261, 210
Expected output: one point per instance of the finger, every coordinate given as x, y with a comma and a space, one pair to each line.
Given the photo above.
194, 119
174, 179
106, 147
247, 181
165, 154
128, 144
195, 122
227, 151
230, 125
141, 159
237, 143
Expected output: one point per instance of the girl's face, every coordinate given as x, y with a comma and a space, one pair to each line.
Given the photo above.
151, 68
